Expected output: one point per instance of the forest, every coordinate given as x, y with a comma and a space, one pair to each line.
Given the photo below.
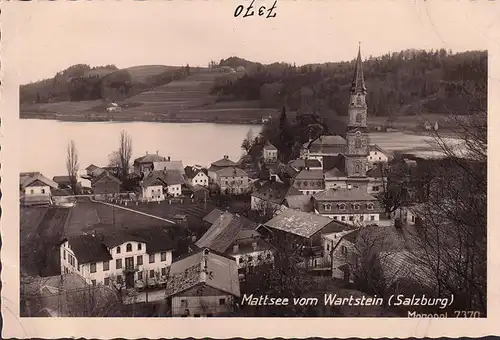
409, 82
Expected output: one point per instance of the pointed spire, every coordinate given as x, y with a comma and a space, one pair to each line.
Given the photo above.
358, 81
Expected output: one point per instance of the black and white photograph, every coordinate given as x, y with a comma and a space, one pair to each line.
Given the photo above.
326, 162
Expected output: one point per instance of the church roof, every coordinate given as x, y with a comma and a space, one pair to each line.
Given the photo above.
358, 81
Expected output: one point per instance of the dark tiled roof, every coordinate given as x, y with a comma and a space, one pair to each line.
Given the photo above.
310, 174
91, 167
105, 175
213, 216
221, 273
168, 165
327, 144
191, 172
224, 162
26, 179
63, 180
165, 177
375, 147
149, 158
88, 248
224, 232
299, 223
334, 173
198, 187
344, 194
231, 172
275, 192
305, 163
269, 146
301, 202
330, 162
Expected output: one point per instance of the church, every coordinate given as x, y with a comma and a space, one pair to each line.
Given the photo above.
349, 181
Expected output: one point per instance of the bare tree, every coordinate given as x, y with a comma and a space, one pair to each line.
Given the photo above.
72, 165
248, 141
120, 159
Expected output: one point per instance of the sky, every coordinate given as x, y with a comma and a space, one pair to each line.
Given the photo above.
41, 38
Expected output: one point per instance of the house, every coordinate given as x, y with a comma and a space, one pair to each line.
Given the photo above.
377, 155
270, 153
338, 250
93, 171
157, 185
301, 164
223, 163
205, 283
309, 181
168, 165
105, 184
349, 205
410, 215
121, 258
324, 145
113, 107
302, 203
64, 182
334, 178
145, 164
36, 189
271, 195
236, 237
196, 175
377, 179
232, 181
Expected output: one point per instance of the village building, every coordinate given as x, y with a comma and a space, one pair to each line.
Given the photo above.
270, 153
309, 181
339, 251
93, 171
377, 180
325, 145
271, 196
158, 185
196, 175
105, 184
145, 164
63, 182
36, 189
223, 163
300, 164
167, 164
199, 193
349, 205
212, 216
129, 259
203, 284
237, 237
377, 155
301, 202
409, 215
232, 181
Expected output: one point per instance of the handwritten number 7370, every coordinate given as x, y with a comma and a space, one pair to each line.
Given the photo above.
261, 11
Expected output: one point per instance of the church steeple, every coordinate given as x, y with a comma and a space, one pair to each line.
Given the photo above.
358, 81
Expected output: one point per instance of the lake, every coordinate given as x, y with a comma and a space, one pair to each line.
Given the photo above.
44, 142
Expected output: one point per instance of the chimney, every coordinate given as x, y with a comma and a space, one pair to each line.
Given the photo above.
193, 238
146, 152
226, 157
156, 152
168, 158
236, 248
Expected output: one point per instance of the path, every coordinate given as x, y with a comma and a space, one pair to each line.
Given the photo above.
134, 211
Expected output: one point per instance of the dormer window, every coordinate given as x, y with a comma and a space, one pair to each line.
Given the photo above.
327, 206
370, 206
129, 247
139, 246
341, 206
118, 250
355, 206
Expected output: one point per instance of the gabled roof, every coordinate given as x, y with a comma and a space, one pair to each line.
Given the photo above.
231, 172
224, 231
191, 171
26, 179
105, 175
275, 192
212, 216
191, 271
88, 248
329, 140
334, 173
149, 158
168, 165
224, 162
91, 167
337, 161
403, 265
269, 146
166, 177
299, 223
62, 180
344, 194
300, 163
310, 174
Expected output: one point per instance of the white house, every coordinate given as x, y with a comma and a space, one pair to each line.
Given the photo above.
202, 284
36, 188
377, 155
232, 181
196, 175
223, 163
338, 252
126, 259
270, 153
158, 185
113, 107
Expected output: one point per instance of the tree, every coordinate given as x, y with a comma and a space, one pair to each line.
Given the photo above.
248, 141
72, 165
187, 69
120, 159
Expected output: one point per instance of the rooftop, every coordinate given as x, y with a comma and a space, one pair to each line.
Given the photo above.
213, 216
149, 158
310, 174
269, 146
231, 172
344, 194
275, 192
32, 178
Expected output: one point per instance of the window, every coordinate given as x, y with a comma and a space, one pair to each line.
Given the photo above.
139, 246
250, 259
43, 191
343, 249
105, 265
152, 258
118, 250
359, 116
375, 188
222, 302
129, 247
372, 218
362, 218
118, 263
164, 271
139, 260
351, 218
93, 268
32, 191
163, 256
328, 247
119, 279
139, 276
64, 254
343, 218
335, 217
184, 303
327, 206
94, 282
370, 205
342, 206
151, 273
413, 218
355, 206
106, 281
